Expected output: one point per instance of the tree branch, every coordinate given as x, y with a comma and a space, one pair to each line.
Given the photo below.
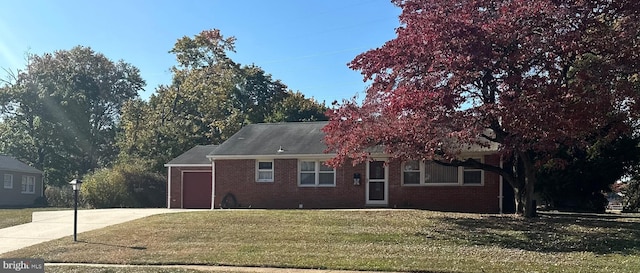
470, 162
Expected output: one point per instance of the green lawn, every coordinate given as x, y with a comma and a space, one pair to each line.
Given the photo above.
14, 217
392, 240
91, 269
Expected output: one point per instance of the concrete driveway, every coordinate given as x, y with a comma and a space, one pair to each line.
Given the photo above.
51, 225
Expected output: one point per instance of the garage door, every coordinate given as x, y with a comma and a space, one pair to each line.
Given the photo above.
196, 190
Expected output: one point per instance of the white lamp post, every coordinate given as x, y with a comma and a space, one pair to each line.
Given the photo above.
75, 184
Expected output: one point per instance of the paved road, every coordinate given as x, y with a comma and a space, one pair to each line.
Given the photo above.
51, 225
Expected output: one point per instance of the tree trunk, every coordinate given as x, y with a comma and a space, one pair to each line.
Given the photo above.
518, 195
529, 185
514, 175
530, 204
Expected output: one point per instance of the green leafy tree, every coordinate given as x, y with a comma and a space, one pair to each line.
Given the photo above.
210, 98
587, 174
631, 192
257, 94
61, 113
295, 107
197, 108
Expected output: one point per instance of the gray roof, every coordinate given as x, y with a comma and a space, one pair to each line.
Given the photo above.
8, 163
274, 139
293, 139
194, 156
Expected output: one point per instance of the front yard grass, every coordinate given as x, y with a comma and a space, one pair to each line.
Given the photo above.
14, 217
387, 240
124, 269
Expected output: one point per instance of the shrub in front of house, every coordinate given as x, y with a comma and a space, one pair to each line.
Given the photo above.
106, 188
128, 186
60, 197
148, 189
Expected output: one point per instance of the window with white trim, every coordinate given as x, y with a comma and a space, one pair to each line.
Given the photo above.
264, 170
28, 184
315, 173
472, 176
434, 174
411, 172
8, 181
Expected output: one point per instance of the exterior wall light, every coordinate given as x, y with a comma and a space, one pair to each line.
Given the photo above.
356, 179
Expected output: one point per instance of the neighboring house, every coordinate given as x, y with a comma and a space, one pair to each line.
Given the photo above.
21, 183
281, 166
614, 200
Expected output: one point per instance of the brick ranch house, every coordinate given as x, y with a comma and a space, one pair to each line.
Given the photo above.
281, 166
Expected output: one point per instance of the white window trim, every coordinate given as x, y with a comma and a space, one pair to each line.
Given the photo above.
473, 169
26, 180
420, 172
10, 180
460, 177
273, 173
317, 173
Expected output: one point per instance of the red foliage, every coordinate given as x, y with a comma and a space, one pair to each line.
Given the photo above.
536, 73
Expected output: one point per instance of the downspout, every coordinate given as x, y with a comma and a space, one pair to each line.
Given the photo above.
501, 194
169, 187
43, 185
213, 184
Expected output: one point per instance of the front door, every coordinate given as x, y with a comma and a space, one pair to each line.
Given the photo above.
377, 186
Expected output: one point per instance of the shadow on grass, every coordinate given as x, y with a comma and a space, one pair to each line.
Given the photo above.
549, 233
112, 245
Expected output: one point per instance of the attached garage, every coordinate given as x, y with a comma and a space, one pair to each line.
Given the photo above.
196, 190
189, 179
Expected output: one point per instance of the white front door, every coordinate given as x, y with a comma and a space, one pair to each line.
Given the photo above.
377, 186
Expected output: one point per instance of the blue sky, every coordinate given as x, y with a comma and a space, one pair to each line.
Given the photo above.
304, 43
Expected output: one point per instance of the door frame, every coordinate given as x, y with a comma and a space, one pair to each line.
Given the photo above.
384, 202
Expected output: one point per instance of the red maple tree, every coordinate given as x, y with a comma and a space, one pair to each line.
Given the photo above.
527, 75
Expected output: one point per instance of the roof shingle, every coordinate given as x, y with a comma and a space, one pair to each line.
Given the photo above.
291, 138
8, 163
194, 156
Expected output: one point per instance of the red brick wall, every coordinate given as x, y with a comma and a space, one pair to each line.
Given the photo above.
483, 199
237, 177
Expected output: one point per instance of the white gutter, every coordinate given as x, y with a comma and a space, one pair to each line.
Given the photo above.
270, 156
169, 187
187, 165
501, 194
213, 184
284, 156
